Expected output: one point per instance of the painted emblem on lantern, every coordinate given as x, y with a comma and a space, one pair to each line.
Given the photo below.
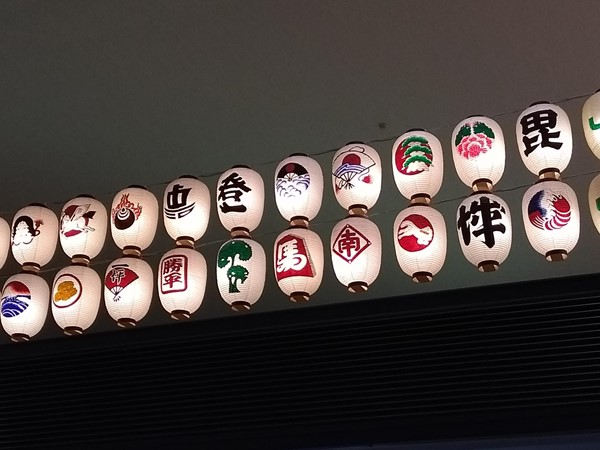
75, 219
354, 168
350, 243
593, 125
15, 299
548, 210
415, 233
125, 213
25, 230
232, 189
474, 139
481, 220
228, 255
536, 128
118, 278
66, 291
174, 274
292, 180
292, 258
413, 156
177, 202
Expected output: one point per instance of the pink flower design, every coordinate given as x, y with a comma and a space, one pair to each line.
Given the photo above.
472, 146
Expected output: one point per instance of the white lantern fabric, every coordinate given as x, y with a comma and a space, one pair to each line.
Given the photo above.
356, 176
34, 235
594, 201
4, 241
241, 272
181, 278
24, 305
356, 252
544, 138
418, 164
484, 230
134, 218
298, 187
478, 150
186, 208
421, 241
551, 218
128, 290
83, 227
240, 199
590, 117
298, 263
75, 300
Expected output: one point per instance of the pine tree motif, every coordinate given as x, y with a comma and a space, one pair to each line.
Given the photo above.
414, 155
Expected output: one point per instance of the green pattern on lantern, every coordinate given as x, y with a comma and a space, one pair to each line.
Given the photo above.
414, 156
411, 139
227, 256
464, 131
598, 203
594, 126
481, 127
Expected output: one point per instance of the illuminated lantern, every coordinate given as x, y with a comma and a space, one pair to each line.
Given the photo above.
590, 116
478, 152
420, 241
241, 272
181, 282
240, 200
24, 306
34, 235
298, 189
551, 217
594, 201
186, 209
356, 177
356, 253
128, 290
83, 225
418, 164
298, 263
545, 140
484, 230
4, 241
75, 299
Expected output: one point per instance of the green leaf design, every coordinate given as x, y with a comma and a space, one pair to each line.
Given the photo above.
411, 139
481, 127
464, 131
417, 148
416, 158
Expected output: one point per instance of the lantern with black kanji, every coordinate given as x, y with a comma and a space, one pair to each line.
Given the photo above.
590, 118
34, 235
83, 226
4, 241
24, 306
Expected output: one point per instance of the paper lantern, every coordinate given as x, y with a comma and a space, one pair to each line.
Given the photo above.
551, 218
181, 282
241, 272
356, 253
134, 218
478, 152
590, 117
356, 177
240, 200
298, 263
544, 138
420, 241
484, 230
128, 290
594, 201
34, 234
24, 306
186, 209
418, 164
4, 241
83, 225
298, 188
75, 299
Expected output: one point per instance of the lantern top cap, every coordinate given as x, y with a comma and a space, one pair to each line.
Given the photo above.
414, 129
240, 166
86, 196
356, 142
475, 115
297, 154
541, 102
193, 177
597, 90
137, 186
43, 205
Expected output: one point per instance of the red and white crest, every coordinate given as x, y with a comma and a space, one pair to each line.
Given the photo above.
349, 243
292, 258
415, 233
173, 274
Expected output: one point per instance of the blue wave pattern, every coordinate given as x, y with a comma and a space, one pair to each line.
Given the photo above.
12, 306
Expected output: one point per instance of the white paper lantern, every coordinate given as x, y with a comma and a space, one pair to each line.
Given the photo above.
240, 200
478, 152
356, 252
544, 138
181, 281
75, 299
34, 234
420, 240
356, 177
594, 201
551, 218
4, 241
186, 208
484, 230
134, 219
241, 272
24, 306
298, 263
418, 164
590, 117
298, 188
83, 226
128, 290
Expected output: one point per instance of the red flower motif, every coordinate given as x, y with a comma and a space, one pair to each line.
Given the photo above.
472, 146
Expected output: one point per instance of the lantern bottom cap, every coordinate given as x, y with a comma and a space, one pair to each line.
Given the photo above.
299, 222
239, 232
240, 306
30, 267
420, 199
422, 277
549, 174
180, 314
126, 323
299, 297
132, 251
80, 260
19, 337
488, 266
358, 210
185, 242
73, 331
358, 286
482, 185
556, 255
